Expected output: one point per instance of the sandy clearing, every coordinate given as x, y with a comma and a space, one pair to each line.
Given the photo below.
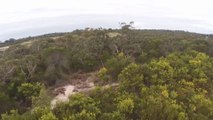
2, 49
55, 38
63, 97
71, 89
82, 85
28, 43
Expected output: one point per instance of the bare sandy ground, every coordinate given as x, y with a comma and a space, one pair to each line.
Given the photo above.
70, 90
63, 97
2, 49
82, 85
28, 43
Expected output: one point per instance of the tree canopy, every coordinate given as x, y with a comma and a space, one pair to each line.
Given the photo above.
158, 75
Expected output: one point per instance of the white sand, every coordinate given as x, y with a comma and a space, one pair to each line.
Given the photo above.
69, 90
28, 43
4, 48
63, 97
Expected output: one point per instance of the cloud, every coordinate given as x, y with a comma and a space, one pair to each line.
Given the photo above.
35, 15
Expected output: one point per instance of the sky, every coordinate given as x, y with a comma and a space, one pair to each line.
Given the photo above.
23, 18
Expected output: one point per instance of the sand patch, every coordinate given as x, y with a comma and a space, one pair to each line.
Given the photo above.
63, 97
2, 49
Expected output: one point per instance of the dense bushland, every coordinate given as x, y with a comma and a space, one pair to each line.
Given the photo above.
164, 75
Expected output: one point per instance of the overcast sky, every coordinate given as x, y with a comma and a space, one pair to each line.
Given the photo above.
23, 18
